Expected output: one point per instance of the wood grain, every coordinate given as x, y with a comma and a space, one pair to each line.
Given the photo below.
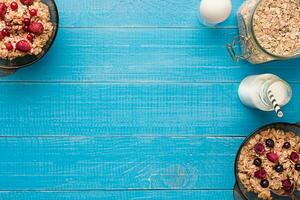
127, 109
146, 55
134, 13
136, 100
121, 195
104, 163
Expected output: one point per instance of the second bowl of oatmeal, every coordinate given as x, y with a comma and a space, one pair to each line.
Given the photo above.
267, 162
28, 29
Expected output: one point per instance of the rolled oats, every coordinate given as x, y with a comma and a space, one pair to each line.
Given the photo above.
269, 30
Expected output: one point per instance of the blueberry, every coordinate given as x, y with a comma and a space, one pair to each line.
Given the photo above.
278, 168
257, 162
286, 145
264, 183
297, 167
270, 143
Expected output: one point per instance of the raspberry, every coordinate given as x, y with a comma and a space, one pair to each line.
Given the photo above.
260, 174
259, 148
294, 157
23, 46
9, 46
27, 2
3, 9
273, 157
36, 28
287, 185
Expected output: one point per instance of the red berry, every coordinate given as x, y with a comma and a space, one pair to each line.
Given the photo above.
5, 32
3, 9
260, 174
287, 185
273, 157
26, 21
33, 12
27, 2
259, 148
23, 46
9, 46
36, 28
30, 37
294, 157
25, 28
14, 5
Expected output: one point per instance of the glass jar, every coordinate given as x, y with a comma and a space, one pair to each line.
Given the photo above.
251, 49
254, 91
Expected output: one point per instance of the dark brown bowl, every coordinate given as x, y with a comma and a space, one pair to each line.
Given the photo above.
8, 66
240, 193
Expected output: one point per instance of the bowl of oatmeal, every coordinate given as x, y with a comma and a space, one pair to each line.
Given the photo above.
27, 30
267, 165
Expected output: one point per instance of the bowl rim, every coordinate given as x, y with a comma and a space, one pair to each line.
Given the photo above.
50, 45
257, 130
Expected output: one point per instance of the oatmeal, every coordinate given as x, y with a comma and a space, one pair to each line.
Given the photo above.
269, 30
25, 27
276, 25
269, 161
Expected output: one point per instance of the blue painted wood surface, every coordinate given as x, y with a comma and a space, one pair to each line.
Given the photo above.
136, 100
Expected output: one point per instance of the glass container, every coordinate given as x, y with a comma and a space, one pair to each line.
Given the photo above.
250, 48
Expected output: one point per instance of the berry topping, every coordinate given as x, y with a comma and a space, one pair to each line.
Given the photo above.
297, 167
287, 185
5, 32
27, 2
14, 5
25, 28
26, 21
278, 168
259, 148
270, 143
273, 157
30, 37
23, 46
264, 183
9, 46
36, 28
3, 9
286, 145
257, 162
294, 157
260, 174
33, 12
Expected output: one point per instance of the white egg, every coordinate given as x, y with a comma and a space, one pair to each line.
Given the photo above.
215, 11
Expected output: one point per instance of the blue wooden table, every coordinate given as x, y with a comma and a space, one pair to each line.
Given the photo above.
136, 100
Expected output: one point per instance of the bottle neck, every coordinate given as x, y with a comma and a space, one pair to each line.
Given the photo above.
274, 85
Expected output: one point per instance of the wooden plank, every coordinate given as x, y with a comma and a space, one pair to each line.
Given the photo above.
120, 195
104, 163
153, 13
130, 109
146, 55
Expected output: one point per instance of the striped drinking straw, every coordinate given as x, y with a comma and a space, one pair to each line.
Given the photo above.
276, 107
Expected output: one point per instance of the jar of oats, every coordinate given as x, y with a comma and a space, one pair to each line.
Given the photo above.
269, 30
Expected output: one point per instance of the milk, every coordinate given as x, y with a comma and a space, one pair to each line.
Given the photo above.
253, 91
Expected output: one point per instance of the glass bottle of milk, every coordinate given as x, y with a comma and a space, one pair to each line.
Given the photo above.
255, 92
